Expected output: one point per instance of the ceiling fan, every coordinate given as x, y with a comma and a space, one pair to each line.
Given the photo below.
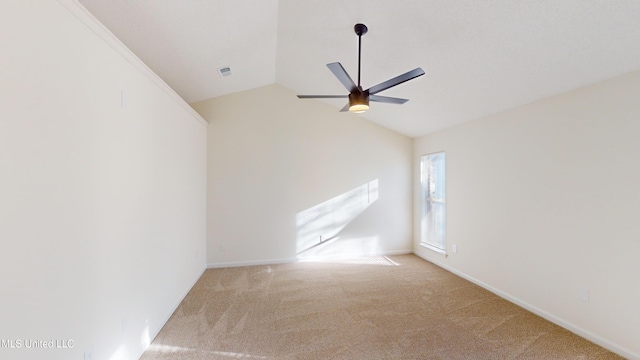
358, 98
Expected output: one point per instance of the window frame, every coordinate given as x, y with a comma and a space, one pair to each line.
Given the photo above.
424, 200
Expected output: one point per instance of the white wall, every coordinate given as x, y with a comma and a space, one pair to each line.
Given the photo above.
102, 206
542, 203
272, 156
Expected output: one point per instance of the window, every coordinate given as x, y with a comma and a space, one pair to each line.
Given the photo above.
433, 205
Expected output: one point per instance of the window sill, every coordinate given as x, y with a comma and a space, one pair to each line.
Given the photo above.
433, 248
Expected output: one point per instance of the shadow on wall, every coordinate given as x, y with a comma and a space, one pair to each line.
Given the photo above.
319, 226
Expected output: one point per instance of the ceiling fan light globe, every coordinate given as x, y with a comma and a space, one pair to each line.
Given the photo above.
358, 108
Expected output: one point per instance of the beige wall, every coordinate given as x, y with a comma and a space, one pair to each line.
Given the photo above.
272, 156
102, 206
542, 203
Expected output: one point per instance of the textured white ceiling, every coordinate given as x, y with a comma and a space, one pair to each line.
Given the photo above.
480, 56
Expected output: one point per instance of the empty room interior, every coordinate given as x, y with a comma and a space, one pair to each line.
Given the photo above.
147, 147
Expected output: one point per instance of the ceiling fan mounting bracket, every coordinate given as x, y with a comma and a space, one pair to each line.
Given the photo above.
360, 29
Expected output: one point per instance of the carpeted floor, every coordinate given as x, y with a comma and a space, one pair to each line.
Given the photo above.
396, 307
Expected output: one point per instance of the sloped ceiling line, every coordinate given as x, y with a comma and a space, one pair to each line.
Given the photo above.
480, 57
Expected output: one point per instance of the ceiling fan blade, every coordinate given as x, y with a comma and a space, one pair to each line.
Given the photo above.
345, 108
323, 96
337, 70
386, 99
396, 81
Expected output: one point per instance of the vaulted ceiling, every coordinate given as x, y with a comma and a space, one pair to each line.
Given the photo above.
480, 56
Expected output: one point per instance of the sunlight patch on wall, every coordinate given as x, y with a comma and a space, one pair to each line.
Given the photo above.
118, 354
146, 338
323, 222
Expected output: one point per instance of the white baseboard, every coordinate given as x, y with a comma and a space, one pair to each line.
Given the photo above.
550, 317
292, 260
352, 256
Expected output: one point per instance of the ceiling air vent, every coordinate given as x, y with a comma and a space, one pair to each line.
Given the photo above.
225, 71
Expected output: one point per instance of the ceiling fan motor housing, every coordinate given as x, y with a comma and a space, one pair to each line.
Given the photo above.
358, 101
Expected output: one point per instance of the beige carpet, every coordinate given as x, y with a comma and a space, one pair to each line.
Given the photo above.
397, 307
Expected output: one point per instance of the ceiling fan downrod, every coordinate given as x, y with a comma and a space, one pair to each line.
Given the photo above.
360, 30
